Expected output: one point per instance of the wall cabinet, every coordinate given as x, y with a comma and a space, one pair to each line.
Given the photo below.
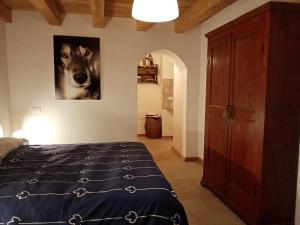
252, 113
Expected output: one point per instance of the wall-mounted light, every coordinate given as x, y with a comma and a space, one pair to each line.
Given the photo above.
38, 129
1, 131
20, 134
155, 10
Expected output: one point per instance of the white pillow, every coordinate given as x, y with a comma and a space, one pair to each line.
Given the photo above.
7, 144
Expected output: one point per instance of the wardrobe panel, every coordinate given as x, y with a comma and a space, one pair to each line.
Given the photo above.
219, 72
244, 148
216, 102
243, 158
215, 164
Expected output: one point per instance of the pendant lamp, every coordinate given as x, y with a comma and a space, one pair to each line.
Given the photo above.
155, 11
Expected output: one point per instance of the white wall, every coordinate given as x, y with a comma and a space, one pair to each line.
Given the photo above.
31, 76
4, 95
179, 121
167, 115
230, 13
167, 123
149, 101
167, 67
149, 96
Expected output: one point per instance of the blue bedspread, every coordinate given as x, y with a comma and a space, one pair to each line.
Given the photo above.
105, 184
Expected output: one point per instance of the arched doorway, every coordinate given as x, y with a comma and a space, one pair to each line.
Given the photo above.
154, 97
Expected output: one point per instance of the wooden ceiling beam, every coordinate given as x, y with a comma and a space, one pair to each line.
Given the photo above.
50, 10
5, 13
143, 26
199, 12
98, 13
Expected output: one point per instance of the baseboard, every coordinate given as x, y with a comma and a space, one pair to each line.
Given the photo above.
190, 159
193, 159
144, 135
187, 159
178, 153
167, 136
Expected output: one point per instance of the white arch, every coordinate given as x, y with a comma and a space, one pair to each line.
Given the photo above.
179, 131
173, 57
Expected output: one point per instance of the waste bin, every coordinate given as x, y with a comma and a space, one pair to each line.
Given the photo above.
153, 126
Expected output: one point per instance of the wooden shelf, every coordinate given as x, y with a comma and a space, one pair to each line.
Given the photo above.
147, 74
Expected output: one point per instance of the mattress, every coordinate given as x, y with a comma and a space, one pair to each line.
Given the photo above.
105, 184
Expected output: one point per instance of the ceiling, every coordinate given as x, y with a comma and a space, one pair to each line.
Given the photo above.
113, 8
192, 12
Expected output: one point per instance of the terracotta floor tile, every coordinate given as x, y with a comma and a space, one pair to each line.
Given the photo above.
201, 205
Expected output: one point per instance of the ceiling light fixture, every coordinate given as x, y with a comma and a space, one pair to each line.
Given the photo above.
155, 11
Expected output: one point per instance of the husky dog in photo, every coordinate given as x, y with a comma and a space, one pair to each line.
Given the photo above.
77, 72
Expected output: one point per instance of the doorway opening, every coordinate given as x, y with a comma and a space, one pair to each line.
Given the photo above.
161, 98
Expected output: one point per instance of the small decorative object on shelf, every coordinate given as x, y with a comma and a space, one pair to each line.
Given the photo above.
147, 71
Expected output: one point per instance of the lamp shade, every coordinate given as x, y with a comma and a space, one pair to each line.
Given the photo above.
155, 10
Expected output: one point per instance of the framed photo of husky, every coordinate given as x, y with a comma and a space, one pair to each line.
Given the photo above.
77, 68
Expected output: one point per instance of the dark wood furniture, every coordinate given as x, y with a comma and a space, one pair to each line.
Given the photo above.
147, 74
252, 113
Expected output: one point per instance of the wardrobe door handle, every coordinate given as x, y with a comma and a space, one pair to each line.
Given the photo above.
227, 114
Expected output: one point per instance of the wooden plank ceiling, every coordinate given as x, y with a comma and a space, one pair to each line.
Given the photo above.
192, 12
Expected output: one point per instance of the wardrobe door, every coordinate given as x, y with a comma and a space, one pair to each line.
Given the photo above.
245, 130
215, 123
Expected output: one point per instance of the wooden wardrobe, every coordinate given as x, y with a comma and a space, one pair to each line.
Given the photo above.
252, 113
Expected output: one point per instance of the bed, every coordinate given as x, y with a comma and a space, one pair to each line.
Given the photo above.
105, 184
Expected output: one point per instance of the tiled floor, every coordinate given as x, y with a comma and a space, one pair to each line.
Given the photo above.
202, 207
